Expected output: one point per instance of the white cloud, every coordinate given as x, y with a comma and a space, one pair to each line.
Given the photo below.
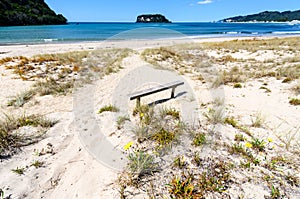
205, 2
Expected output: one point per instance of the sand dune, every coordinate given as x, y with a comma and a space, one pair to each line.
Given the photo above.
74, 163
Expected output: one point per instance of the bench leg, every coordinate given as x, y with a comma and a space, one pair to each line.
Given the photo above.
173, 91
138, 102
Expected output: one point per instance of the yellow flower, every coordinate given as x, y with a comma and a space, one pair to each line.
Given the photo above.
248, 145
142, 114
270, 140
128, 145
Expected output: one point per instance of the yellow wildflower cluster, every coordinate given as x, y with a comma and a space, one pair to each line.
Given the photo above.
128, 145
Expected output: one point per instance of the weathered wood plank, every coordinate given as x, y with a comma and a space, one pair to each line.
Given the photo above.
156, 89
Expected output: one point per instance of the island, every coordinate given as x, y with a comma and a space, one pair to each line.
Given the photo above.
267, 16
152, 18
28, 12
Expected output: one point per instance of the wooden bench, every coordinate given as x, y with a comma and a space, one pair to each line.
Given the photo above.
137, 95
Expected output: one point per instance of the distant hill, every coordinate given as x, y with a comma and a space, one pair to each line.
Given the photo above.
152, 18
28, 12
267, 16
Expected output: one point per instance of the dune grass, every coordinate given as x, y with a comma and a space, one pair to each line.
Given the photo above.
108, 108
295, 101
253, 45
11, 141
55, 74
226, 69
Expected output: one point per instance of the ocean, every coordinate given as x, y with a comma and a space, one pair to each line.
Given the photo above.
77, 32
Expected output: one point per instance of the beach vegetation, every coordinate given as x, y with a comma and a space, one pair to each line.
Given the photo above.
237, 85
212, 178
10, 140
216, 115
157, 55
121, 121
163, 137
19, 171
108, 108
37, 164
258, 120
199, 139
171, 112
197, 159
266, 89
179, 162
238, 149
52, 87
258, 144
141, 164
226, 58
183, 187
252, 45
288, 138
287, 80
294, 101
142, 109
218, 80
56, 73
231, 121
239, 137
20, 99
296, 88
141, 132
1, 194
219, 101
275, 193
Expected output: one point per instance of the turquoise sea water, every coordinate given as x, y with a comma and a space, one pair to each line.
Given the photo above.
102, 31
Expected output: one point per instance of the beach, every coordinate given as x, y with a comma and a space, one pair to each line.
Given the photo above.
241, 95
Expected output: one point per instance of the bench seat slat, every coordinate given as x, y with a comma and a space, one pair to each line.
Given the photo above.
156, 89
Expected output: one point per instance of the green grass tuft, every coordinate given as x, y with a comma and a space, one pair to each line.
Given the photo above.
163, 137
266, 89
19, 171
237, 85
295, 101
199, 139
11, 141
37, 164
108, 108
171, 112
231, 121
141, 164
121, 121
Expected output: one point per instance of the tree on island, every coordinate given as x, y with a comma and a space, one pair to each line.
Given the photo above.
267, 16
28, 12
152, 18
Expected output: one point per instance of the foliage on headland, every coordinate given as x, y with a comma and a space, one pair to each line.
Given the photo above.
28, 12
267, 16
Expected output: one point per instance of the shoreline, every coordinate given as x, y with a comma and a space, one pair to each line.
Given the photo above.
50, 48
224, 35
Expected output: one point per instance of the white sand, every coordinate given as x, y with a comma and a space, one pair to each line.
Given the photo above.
71, 171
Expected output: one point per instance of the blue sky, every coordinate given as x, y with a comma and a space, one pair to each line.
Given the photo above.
175, 10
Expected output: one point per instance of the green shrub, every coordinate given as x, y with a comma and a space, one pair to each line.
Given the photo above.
141, 164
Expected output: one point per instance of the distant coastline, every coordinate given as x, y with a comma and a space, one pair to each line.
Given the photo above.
267, 16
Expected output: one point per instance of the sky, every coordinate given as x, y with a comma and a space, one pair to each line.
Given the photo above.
174, 10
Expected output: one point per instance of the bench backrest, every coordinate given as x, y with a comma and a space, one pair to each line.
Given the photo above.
155, 89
